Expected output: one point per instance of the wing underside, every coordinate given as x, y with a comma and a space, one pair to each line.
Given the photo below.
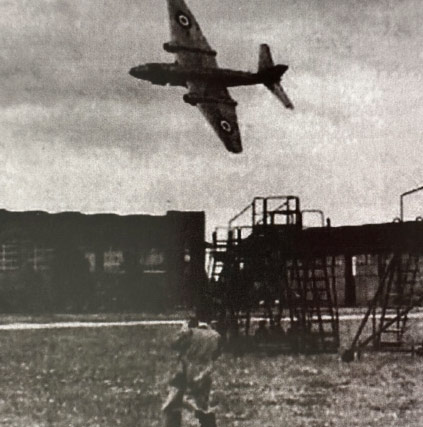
188, 42
193, 50
219, 109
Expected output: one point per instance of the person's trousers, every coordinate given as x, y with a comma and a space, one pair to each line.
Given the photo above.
180, 396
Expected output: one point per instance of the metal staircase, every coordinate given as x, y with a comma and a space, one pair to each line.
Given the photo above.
312, 303
217, 257
228, 291
396, 301
396, 295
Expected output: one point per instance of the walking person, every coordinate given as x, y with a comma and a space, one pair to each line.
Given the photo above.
198, 347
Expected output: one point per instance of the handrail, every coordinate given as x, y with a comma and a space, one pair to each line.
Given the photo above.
265, 212
414, 190
239, 214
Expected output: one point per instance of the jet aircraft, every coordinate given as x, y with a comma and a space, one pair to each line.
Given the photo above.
196, 68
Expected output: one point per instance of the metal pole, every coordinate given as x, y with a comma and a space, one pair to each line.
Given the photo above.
414, 190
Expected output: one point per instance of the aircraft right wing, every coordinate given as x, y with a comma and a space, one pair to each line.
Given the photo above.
188, 42
219, 109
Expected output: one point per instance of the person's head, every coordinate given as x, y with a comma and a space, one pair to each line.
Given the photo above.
192, 322
214, 324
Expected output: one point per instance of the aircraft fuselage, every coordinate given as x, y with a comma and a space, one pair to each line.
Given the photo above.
176, 75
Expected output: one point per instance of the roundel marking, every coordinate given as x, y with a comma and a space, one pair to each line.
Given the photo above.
226, 126
183, 20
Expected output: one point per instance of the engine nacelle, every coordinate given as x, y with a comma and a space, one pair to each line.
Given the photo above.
194, 99
171, 48
191, 99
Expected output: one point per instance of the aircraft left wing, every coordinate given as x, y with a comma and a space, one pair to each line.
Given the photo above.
188, 42
217, 106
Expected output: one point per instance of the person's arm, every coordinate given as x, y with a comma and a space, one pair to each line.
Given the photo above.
205, 372
182, 340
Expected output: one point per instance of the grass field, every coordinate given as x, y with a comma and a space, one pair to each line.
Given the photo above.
117, 377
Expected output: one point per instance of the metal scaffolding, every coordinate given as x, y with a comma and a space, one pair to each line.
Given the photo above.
267, 266
252, 274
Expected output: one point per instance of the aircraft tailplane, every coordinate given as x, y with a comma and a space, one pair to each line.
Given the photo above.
272, 75
277, 90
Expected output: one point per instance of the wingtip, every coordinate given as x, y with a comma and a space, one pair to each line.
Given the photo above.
237, 151
234, 149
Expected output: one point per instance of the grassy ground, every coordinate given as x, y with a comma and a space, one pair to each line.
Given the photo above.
117, 377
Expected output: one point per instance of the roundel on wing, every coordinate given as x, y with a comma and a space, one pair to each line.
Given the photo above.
226, 126
183, 20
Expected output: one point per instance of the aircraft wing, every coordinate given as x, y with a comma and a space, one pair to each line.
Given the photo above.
217, 106
188, 42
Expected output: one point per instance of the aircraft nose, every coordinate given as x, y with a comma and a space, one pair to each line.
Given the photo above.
139, 72
133, 71
148, 72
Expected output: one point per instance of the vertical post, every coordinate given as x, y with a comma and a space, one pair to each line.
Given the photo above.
402, 207
350, 291
264, 212
230, 237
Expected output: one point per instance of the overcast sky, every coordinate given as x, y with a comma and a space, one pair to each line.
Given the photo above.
78, 133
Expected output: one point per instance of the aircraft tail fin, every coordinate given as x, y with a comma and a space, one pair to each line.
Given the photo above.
272, 75
265, 58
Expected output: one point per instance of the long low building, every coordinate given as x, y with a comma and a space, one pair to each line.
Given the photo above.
102, 262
